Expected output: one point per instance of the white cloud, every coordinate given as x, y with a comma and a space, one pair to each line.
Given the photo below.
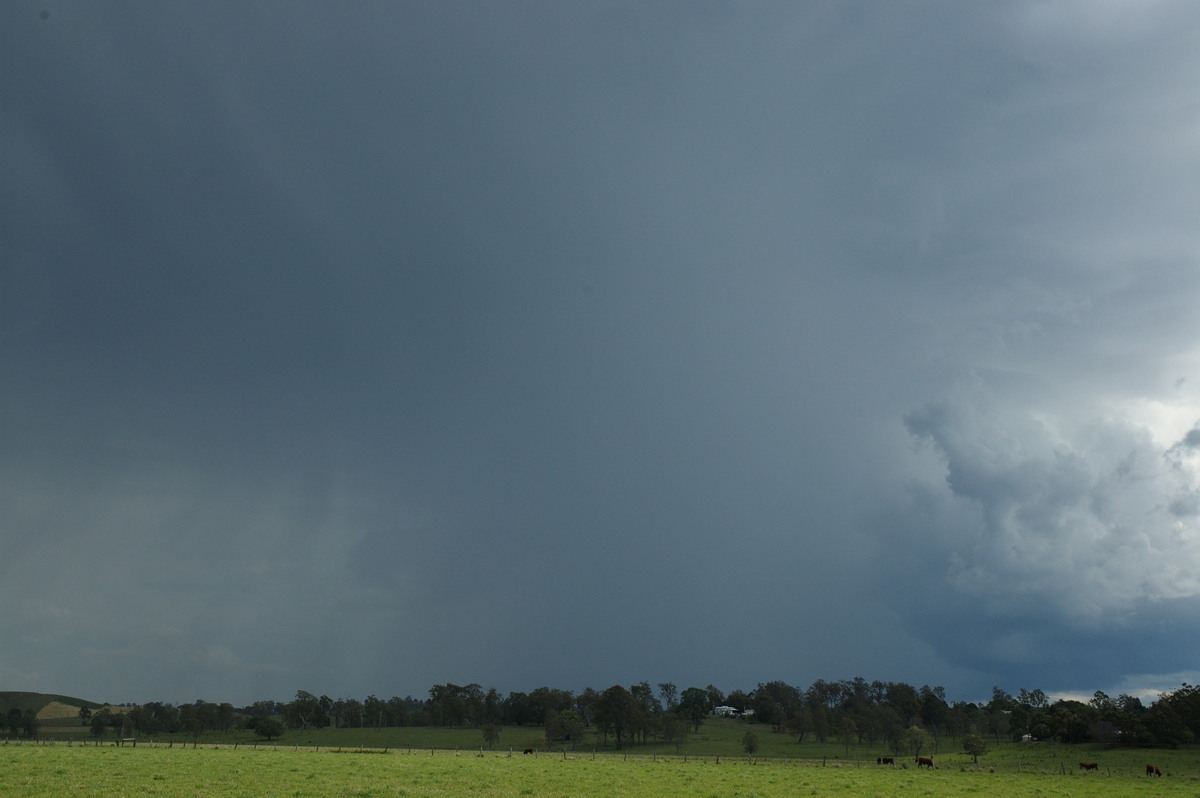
1080, 517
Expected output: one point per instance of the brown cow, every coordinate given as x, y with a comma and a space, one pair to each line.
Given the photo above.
925, 762
1152, 770
885, 760
528, 751
1089, 765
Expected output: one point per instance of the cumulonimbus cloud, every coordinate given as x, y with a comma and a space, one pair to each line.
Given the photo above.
1084, 520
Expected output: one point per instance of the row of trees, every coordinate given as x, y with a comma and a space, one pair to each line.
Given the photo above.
638, 713
22, 722
886, 712
854, 711
156, 717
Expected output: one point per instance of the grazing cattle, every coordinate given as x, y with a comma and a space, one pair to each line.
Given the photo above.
1089, 765
529, 750
885, 760
924, 762
1152, 770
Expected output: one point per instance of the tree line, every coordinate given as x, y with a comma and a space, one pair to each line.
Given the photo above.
157, 717
21, 722
892, 715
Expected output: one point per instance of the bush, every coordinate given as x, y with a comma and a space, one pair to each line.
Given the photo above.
269, 728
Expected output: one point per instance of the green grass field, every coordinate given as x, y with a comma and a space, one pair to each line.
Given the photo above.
43, 770
716, 738
435, 761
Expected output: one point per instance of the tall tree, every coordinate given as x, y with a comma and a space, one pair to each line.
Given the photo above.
473, 703
30, 723
800, 723
13, 720
491, 706
750, 744
976, 746
904, 699
374, 710
571, 726
1001, 701
614, 710
774, 702
550, 727
101, 721
516, 709
674, 729
917, 740
447, 705
738, 699
352, 712
669, 694
1102, 702
694, 706
1035, 699
646, 708
304, 711
270, 728
934, 709
847, 731
548, 699
584, 703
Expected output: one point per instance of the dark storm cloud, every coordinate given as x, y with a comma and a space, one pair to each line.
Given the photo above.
357, 349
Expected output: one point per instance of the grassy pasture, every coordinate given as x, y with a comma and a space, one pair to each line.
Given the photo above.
717, 737
60, 770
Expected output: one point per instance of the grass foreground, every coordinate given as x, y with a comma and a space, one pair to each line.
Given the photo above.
42, 770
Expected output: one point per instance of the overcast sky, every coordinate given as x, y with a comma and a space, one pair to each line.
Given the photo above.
359, 347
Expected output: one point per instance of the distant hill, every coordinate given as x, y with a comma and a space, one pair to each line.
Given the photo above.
47, 705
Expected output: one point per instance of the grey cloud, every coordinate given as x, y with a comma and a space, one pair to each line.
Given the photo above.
1047, 522
544, 344
1190, 441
